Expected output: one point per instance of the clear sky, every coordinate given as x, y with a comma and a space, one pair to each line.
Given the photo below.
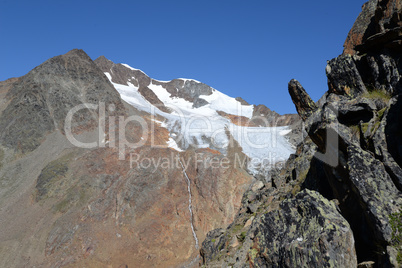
242, 48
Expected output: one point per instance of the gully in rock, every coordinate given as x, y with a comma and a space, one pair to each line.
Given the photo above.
189, 204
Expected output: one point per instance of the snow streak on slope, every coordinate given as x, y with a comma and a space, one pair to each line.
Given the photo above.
189, 203
203, 127
131, 95
221, 102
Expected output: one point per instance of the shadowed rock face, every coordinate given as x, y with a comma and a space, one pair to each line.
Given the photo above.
357, 124
378, 26
360, 27
376, 40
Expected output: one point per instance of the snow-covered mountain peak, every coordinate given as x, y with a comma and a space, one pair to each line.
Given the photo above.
197, 115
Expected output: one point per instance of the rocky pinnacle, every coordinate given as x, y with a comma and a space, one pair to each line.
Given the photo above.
304, 104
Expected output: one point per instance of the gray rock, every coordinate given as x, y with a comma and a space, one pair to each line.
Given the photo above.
344, 77
199, 103
305, 106
242, 101
307, 231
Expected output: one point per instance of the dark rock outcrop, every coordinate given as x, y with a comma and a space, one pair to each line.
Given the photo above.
306, 231
356, 34
305, 105
378, 26
376, 40
242, 101
366, 179
343, 77
187, 89
352, 156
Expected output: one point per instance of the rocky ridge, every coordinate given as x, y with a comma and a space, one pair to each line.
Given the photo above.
338, 200
189, 90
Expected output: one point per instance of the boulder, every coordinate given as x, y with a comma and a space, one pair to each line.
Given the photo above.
307, 231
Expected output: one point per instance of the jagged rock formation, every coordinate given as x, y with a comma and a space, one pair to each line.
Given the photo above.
352, 156
305, 105
378, 26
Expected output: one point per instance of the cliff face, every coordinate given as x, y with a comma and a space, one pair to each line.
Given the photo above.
337, 202
378, 24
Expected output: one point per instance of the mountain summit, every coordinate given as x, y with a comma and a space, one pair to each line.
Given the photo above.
102, 165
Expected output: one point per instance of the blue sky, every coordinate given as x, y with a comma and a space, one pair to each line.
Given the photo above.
242, 48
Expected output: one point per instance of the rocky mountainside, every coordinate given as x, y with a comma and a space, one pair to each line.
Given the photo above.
338, 200
102, 166
63, 205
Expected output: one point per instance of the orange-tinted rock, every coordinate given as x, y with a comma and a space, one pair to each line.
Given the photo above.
378, 25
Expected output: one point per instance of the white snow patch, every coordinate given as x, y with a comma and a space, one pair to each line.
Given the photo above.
222, 102
109, 76
187, 79
264, 145
161, 81
172, 144
131, 68
131, 95
130, 84
284, 132
162, 124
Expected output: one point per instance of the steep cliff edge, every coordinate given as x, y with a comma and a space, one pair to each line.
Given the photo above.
337, 202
